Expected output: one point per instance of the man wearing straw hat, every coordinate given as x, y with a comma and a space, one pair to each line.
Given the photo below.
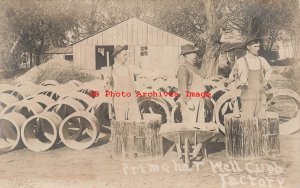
189, 79
252, 73
121, 79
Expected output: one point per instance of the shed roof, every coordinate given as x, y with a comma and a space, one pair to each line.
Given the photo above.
60, 50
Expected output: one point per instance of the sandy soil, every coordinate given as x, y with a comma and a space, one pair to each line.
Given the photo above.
94, 167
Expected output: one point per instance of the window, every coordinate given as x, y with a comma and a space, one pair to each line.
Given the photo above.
144, 51
69, 57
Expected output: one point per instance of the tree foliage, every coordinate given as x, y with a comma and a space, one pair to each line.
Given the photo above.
262, 18
31, 26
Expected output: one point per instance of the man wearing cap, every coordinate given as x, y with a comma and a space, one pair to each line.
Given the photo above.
189, 79
121, 79
252, 73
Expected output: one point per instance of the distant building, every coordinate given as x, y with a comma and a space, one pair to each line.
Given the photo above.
60, 53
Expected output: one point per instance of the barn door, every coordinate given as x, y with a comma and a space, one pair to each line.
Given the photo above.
103, 53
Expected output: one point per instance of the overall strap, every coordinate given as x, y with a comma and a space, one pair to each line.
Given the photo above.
130, 74
246, 62
111, 80
260, 66
262, 69
260, 63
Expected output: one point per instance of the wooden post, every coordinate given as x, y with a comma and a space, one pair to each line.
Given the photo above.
187, 160
107, 59
110, 98
137, 140
252, 137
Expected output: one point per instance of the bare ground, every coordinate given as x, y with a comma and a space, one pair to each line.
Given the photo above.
94, 167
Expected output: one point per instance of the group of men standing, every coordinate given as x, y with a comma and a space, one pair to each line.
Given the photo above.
251, 72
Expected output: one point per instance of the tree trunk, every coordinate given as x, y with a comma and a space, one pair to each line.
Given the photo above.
37, 59
39, 52
30, 59
15, 44
213, 45
252, 137
210, 60
136, 140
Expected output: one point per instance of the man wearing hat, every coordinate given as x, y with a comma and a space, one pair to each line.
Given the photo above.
189, 79
120, 78
252, 73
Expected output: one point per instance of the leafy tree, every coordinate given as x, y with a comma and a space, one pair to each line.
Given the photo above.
36, 25
262, 18
31, 26
259, 18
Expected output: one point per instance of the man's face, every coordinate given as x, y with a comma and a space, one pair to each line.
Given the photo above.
122, 57
254, 48
191, 58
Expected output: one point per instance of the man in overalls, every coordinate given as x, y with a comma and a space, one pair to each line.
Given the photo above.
253, 72
189, 79
121, 78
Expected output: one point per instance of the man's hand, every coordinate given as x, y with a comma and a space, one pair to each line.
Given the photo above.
244, 87
265, 85
191, 106
163, 76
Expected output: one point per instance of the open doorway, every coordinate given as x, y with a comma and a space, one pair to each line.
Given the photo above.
103, 56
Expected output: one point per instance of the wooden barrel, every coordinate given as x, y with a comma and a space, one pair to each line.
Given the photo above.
137, 140
252, 137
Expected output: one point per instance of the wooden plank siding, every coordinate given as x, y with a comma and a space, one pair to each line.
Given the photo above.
134, 32
130, 54
144, 33
119, 34
140, 34
99, 39
130, 32
154, 35
90, 51
125, 33
114, 35
90, 41
81, 52
149, 35
76, 52
163, 47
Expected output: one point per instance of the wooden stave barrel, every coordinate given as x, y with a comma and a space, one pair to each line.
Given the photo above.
134, 151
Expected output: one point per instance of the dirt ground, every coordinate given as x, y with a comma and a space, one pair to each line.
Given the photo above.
94, 167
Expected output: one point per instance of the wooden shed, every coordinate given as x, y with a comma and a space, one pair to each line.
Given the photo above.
149, 47
60, 53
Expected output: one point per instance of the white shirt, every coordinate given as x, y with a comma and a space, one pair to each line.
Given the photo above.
125, 70
254, 63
